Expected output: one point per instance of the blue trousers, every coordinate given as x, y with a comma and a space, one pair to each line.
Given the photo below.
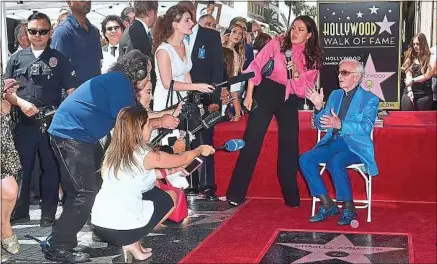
337, 156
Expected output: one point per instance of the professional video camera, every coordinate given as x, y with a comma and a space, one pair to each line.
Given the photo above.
192, 111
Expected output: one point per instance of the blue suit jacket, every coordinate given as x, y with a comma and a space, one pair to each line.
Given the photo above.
357, 125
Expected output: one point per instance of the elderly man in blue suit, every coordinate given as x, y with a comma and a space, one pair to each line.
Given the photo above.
349, 117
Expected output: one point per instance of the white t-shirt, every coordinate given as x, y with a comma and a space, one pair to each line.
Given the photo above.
179, 68
119, 204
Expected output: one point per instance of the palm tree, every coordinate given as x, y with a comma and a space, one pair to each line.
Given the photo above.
296, 6
311, 11
271, 18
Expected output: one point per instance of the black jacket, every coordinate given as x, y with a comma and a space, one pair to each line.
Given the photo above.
210, 68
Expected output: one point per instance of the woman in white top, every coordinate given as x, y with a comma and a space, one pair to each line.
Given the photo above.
128, 205
172, 62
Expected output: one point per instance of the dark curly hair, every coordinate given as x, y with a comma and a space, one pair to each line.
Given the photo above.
111, 18
163, 28
313, 53
130, 64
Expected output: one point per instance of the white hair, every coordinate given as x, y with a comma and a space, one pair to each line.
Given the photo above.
359, 68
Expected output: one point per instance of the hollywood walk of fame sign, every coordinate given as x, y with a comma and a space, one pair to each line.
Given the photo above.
319, 247
368, 32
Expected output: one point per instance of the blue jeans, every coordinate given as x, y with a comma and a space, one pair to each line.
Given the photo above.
337, 156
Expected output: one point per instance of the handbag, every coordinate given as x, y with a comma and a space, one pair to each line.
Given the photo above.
181, 207
267, 69
169, 102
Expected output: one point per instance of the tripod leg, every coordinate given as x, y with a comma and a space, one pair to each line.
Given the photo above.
191, 190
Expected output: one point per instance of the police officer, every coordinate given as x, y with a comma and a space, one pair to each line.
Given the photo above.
43, 73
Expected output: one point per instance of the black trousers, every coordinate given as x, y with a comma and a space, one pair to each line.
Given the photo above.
422, 102
29, 142
162, 203
270, 98
80, 163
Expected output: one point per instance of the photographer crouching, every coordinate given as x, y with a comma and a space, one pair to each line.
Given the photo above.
81, 120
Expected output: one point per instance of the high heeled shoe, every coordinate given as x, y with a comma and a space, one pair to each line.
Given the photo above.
10, 244
129, 255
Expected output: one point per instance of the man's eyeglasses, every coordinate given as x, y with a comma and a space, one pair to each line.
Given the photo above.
41, 32
115, 28
344, 73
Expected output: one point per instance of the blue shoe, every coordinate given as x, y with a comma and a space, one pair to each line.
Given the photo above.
324, 213
347, 215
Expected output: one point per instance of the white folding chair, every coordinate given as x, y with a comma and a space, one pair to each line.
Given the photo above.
359, 167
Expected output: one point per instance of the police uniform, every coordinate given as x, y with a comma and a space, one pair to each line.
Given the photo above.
41, 82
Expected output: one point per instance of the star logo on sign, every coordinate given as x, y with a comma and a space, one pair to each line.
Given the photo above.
359, 14
348, 18
373, 10
385, 25
340, 248
372, 79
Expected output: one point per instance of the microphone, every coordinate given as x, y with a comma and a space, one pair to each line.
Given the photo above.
232, 145
288, 55
208, 122
236, 79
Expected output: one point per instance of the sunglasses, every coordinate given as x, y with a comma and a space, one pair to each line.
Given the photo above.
41, 32
115, 28
344, 73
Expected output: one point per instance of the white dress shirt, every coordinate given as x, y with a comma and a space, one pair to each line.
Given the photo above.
108, 59
193, 37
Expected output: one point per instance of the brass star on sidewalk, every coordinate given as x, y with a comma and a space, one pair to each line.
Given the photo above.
339, 248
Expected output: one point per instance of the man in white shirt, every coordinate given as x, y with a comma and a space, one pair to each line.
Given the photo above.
112, 29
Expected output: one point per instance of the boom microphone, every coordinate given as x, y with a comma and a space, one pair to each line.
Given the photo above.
236, 79
206, 123
232, 145
288, 55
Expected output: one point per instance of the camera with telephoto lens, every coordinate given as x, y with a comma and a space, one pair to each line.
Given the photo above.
193, 107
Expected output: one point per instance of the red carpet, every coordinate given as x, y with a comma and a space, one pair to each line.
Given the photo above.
245, 236
405, 152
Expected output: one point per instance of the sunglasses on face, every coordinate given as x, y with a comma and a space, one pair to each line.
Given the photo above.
115, 28
344, 73
41, 32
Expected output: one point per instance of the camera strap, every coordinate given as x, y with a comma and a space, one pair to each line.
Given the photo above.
169, 101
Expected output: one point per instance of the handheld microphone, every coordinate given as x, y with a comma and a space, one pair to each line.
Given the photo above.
232, 145
288, 55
